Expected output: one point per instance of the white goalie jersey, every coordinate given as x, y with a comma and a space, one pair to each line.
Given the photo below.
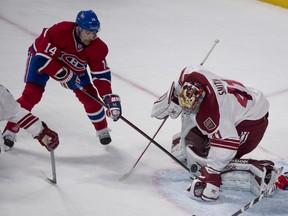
227, 103
230, 122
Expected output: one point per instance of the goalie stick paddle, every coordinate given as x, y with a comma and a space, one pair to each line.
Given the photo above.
134, 127
259, 198
125, 176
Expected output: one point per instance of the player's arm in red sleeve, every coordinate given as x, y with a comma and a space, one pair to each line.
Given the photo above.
48, 53
100, 72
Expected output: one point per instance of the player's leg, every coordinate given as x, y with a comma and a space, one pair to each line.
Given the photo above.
251, 133
95, 112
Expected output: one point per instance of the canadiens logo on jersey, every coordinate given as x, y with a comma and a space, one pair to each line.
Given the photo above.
74, 62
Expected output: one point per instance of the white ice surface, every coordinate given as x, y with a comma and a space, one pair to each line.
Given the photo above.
150, 43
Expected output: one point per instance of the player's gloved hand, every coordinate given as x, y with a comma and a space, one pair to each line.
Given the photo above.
206, 186
69, 79
282, 182
48, 138
113, 103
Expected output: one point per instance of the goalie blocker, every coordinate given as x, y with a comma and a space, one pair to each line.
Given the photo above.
167, 105
251, 175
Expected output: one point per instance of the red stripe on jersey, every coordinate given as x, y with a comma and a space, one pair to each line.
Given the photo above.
227, 143
27, 121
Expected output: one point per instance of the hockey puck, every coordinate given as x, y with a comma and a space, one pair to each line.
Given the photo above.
194, 168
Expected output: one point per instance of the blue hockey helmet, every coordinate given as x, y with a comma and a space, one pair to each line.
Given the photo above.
88, 20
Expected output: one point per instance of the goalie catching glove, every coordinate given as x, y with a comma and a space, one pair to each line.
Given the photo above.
48, 138
113, 103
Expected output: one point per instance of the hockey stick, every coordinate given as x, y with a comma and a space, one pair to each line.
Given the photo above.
257, 199
253, 202
215, 43
134, 127
125, 176
53, 180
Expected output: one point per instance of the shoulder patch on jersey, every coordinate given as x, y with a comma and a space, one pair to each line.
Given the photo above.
209, 124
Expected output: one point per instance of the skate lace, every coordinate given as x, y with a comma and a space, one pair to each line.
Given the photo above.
103, 134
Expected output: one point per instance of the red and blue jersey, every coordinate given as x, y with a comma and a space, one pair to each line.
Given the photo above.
57, 47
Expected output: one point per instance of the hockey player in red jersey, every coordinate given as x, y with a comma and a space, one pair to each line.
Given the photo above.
222, 120
64, 52
10, 110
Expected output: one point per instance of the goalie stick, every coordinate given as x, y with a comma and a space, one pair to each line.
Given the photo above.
215, 43
125, 176
266, 193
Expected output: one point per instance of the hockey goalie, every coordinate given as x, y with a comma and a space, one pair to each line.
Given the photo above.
222, 120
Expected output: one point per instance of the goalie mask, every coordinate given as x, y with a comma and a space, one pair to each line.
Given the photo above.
190, 97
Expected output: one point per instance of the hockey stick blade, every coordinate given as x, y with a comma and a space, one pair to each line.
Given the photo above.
53, 165
125, 176
52, 157
51, 181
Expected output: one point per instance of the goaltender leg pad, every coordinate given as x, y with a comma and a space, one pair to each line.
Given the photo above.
249, 175
265, 176
240, 174
166, 105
